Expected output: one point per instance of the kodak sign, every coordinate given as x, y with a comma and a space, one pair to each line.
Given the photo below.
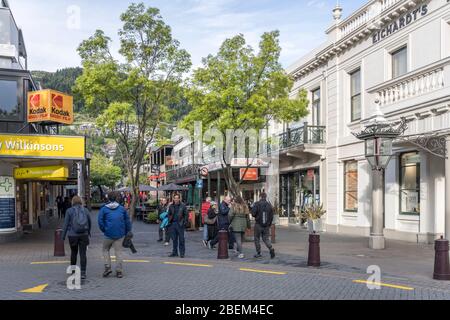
50, 106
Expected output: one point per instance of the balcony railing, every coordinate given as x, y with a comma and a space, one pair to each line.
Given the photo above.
174, 173
301, 136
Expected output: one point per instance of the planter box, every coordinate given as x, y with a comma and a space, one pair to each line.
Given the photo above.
315, 226
284, 222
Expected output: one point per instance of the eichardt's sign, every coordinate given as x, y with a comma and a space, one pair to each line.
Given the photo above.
50, 106
400, 23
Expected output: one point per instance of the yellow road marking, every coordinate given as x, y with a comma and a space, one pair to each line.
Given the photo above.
384, 285
189, 264
263, 271
38, 289
50, 262
136, 261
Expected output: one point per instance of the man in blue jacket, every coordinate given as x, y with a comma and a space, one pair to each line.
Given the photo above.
114, 222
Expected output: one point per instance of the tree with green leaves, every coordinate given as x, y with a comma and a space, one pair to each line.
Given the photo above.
104, 173
131, 99
240, 89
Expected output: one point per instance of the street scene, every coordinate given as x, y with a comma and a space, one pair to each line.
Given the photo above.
201, 151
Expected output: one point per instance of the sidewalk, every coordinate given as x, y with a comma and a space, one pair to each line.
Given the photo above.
338, 252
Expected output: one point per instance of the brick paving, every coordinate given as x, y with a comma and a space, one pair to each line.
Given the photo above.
344, 259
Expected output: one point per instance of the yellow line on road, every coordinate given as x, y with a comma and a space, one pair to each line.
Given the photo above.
263, 271
384, 285
50, 262
136, 261
189, 264
38, 289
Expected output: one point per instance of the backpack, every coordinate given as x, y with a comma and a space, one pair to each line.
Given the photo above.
80, 221
266, 214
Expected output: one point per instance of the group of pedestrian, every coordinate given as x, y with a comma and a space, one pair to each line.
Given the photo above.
113, 221
233, 216
63, 204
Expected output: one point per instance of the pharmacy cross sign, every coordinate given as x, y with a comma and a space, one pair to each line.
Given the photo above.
6, 184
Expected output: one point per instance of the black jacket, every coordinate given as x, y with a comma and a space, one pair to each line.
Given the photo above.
128, 243
262, 211
223, 220
183, 217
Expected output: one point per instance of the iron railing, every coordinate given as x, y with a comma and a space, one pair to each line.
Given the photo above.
303, 135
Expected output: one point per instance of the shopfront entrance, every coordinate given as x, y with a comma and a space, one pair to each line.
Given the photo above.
298, 190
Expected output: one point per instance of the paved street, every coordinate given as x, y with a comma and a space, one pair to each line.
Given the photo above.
149, 274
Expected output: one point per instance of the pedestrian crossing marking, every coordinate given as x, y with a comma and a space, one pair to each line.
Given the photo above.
38, 289
189, 264
263, 271
50, 262
384, 285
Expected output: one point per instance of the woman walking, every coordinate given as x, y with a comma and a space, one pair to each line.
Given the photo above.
211, 222
239, 222
77, 226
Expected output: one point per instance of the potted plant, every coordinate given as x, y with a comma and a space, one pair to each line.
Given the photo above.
313, 214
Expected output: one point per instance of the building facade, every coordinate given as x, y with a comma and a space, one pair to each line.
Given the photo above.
395, 53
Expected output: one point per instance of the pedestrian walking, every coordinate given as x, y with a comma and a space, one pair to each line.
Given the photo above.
206, 205
163, 216
263, 213
178, 219
211, 221
77, 226
114, 222
239, 222
65, 206
59, 205
223, 221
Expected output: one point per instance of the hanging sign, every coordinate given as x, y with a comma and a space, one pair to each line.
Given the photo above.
50, 106
7, 204
42, 173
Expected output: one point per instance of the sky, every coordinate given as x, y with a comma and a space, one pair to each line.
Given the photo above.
53, 29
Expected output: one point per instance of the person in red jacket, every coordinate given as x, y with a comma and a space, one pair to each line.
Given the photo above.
205, 207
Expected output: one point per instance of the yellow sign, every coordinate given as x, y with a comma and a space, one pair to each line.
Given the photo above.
56, 173
38, 146
50, 106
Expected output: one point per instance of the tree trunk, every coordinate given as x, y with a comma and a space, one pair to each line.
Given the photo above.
101, 192
233, 187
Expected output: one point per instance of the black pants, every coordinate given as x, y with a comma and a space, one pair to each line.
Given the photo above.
161, 234
59, 212
177, 233
231, 239
79, 244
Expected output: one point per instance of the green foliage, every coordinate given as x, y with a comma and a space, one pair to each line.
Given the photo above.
313, 212
131, 99
104, 172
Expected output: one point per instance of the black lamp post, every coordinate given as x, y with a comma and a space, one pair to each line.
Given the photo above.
378, 135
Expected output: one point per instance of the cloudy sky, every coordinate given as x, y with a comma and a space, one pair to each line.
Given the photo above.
54, 28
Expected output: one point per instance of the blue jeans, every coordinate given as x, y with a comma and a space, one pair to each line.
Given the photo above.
177, 233
205, 232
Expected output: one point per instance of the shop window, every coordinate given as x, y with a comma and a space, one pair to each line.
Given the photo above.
355, 87
410, 183
9, 100
351, 186
399, 62
316, 107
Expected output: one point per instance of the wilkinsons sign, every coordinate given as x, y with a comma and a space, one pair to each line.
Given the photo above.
400, 23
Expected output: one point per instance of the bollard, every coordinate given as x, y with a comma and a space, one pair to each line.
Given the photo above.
314, 250
222, 252
59, 244
273, 233
441, 260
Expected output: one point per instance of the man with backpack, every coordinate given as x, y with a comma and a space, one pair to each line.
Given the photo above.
77, 225
262, 211
114, 222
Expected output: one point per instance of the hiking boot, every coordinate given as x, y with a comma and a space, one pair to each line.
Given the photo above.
205, 243
210, 247
272, 253
119, 274
107, 272
258, 255
182, 256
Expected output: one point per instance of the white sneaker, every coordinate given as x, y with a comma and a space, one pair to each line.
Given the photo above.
166, 244
241, 256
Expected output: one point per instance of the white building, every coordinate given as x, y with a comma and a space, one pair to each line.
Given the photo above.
397, 51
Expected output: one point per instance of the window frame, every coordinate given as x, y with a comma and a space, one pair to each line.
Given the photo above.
354, 95
393, 53
21, 98
346, 191
316, 106
401, 180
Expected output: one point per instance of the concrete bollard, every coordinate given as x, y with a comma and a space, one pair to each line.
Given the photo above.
222, 252
59, 244
441, 260
314, 250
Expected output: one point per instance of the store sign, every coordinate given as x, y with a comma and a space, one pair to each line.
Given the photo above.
42, 147
400, 23
51, 173
7, 203
50, 106
250, 174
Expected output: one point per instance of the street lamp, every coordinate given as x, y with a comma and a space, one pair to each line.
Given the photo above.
378, 135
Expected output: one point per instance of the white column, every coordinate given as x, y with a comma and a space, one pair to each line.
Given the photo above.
447, 190
81, 181
376, 240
